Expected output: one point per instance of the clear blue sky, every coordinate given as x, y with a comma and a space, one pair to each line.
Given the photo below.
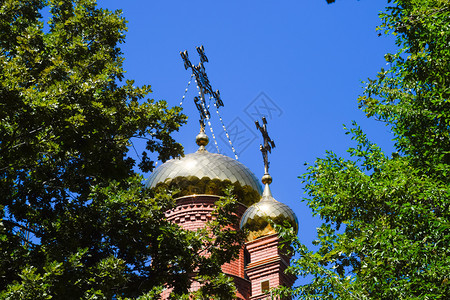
308, 57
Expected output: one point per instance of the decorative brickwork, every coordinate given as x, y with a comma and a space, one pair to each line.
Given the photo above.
191, 213
267, 264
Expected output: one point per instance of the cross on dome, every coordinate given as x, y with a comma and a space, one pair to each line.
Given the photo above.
269, 144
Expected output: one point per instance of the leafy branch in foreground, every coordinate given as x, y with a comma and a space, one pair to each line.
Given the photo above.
75, 219
386, 225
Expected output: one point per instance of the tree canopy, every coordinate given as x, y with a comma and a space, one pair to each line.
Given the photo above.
386, 230
75, 221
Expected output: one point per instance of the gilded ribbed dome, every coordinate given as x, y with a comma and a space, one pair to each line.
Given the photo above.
204, 164
256, 217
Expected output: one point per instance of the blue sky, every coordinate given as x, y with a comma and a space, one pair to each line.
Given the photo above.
300, 63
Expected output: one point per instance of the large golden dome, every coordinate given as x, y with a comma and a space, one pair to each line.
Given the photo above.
204, 164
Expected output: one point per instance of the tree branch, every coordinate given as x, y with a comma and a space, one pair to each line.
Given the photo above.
20, 226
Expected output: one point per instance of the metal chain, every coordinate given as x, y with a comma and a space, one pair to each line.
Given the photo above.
207, 117
226, 132
186, 89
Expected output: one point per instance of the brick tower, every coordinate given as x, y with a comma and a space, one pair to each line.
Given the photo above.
259, 261
267, 261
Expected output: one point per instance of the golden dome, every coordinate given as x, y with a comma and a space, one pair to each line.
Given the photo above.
204, 164
256, 217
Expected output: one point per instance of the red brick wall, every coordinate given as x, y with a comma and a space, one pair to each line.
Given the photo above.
267, 263
191, 213
266, 260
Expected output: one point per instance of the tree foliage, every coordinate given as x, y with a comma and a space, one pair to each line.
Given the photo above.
75, 221
386, 230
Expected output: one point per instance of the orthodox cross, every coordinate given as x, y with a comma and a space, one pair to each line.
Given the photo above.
268, 143
203, 110
203, 83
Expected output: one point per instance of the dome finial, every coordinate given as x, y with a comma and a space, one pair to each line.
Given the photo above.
266, 179
202, 139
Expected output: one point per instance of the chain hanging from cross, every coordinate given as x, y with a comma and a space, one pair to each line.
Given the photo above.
268, 143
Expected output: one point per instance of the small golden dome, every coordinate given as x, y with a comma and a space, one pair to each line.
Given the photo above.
258, 216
